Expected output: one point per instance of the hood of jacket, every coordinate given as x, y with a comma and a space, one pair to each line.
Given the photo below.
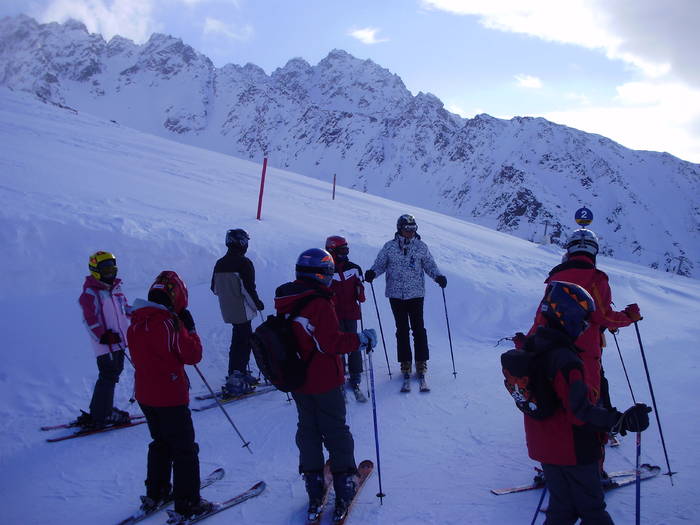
288, 294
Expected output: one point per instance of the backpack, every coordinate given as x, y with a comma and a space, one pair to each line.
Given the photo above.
276, 350
527, 382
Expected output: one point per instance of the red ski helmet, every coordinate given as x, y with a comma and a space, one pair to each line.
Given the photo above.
169, 283
337, 245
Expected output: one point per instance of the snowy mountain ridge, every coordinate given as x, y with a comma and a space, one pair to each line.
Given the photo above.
158, 204
357, 120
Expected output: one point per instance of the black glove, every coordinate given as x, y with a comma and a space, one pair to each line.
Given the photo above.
370, 275
441, 280
110, 338
259, 305
635, 419
186, 318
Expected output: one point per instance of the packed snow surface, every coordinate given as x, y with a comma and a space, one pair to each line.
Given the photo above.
71, 184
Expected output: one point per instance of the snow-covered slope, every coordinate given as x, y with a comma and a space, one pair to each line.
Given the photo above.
71, 184
355, 119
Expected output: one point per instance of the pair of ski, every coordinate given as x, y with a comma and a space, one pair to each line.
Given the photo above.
224, 399
364, 470
82, 432
615, 480
422, 384
175, 518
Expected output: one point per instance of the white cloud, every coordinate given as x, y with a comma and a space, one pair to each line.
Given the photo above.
528, 81
579, 98
213, 26
128, 18
656, 37
647, 115
367, 35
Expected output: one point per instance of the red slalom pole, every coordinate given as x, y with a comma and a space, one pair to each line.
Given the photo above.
262, 187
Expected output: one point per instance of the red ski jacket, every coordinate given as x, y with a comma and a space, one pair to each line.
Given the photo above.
348, 289
160, 348
572, 435
317, 333
579, 269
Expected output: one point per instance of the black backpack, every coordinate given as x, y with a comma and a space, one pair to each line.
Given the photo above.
277, 352
526, 380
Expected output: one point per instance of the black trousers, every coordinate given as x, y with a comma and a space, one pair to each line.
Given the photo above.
322, 422
173, 450
110, 366
409, 312
239, 353
354, 359
575, 492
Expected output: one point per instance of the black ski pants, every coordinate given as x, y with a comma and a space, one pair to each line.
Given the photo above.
239, 353
575, 492
322, 422
409, 312
173, 450
110, 367
354, 359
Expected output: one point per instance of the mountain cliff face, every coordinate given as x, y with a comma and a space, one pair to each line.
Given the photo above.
357, 120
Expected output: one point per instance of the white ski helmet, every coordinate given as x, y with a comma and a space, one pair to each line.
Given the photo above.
582, 240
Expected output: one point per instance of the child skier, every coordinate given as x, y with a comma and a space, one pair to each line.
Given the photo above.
320, 404
105, 313
349, 293
233, 282
162, 339
567, 443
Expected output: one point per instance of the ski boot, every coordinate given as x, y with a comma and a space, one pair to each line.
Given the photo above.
236, 385
188, 511
406, 371
421, 371
345, 486
118, 417
315, 489
84, 420
155, 499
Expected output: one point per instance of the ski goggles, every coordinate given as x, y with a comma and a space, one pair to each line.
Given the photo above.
342, 250
409, 227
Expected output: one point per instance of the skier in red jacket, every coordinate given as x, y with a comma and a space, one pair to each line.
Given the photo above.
567, 443
349, 293
320, 404
162, 339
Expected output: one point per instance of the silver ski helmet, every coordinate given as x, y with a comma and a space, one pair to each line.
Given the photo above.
406, 222
317, 265
582, 240
567, 307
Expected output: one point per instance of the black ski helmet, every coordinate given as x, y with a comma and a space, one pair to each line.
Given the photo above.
317, 265
567, 306
406, 222
238, 239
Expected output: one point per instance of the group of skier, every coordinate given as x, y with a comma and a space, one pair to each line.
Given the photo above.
324, 302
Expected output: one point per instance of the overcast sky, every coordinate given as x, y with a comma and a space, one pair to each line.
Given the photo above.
626, 69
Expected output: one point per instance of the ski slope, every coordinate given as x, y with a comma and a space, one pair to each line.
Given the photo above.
71, 184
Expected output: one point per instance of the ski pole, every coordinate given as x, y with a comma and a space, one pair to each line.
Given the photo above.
449, 334
539, 506
380, 494
381, 331
624, 367
637, 504
364, 356
653, 400
246, 444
